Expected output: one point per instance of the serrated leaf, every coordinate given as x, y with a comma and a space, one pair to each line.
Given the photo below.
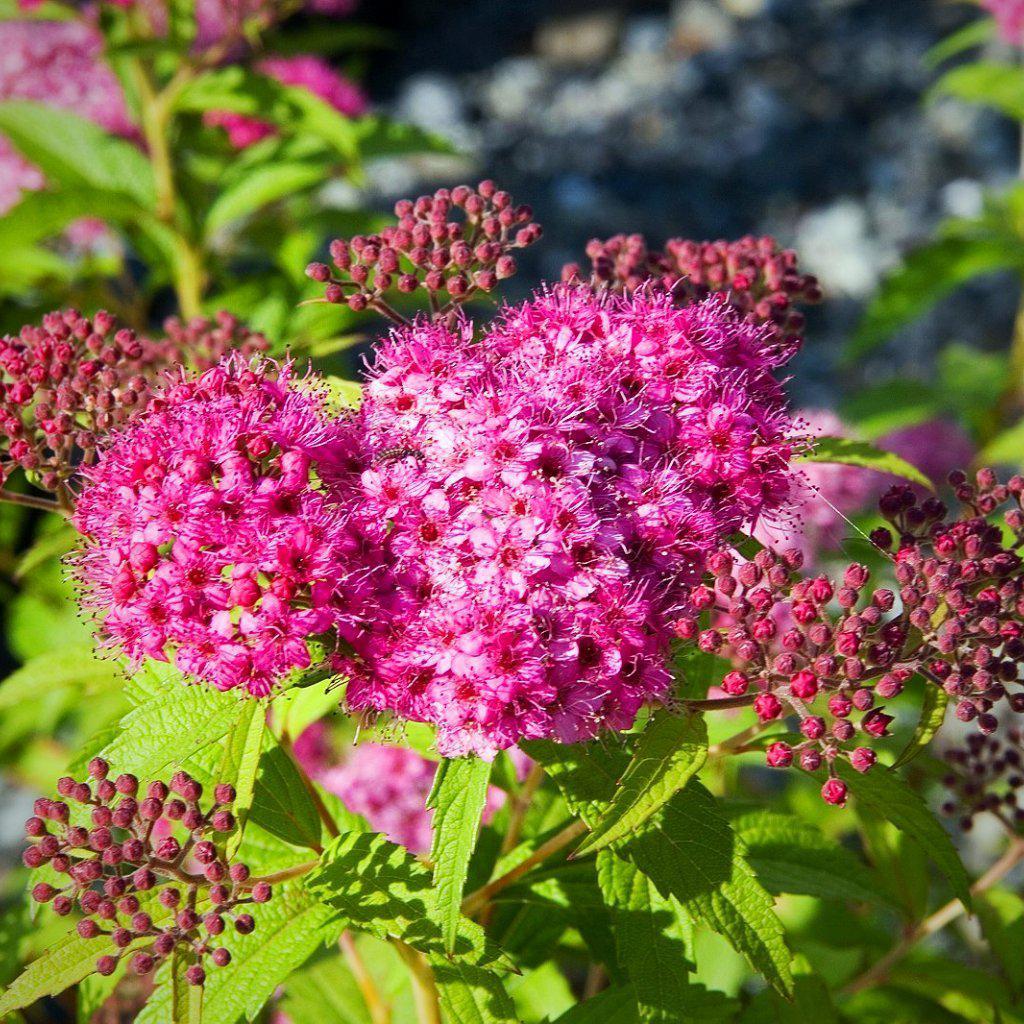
933, 714
263, 185
382, 889
72, 667
74, 152
887, 795
281, 802
999, 86
458, 797
151, 737
289, 929
670, 751
616, 1004
791, 856
849, 452
471, 995
687, 850
926, 275
811, 1001
186, 999
66, 962
239, 765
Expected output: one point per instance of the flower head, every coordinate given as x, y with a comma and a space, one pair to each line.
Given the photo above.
210, 537
544, 495
1009, 16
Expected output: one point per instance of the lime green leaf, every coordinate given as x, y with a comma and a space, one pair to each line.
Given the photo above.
281, 801
74, 667
41, 215
670, 751
848, 452
263, 185
76, 153
379, 137
540, 992
51, 544
382, 889
933, 713
239, 764
186, 999
791, 856
928, 274
324, 992
458, 797
886, 794
289, 929
347, 393
999, 86
470, 994
1001, 913
1007, 448
973, 34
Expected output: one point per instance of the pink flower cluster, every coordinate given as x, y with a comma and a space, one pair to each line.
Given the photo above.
210, 538
302, 71
1009, 15
59, 63
544, 496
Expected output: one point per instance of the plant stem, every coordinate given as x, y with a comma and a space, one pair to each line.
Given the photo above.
520, 805
424, 988
32, 501
720, 703
475, 900
284, 875
878, 972
380, 1011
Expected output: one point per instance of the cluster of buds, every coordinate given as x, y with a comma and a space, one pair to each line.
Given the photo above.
954, 620
63, 386
986, 774
453, 244
201, 342
760, 279
129, 851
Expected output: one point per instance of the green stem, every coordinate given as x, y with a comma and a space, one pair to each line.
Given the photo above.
424, 988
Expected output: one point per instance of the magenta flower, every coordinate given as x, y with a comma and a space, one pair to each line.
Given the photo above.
936, 447
544, 495
1009, 16
211, 540
303, 71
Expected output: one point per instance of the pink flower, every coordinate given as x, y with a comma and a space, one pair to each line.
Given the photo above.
1009, 15
59, 63
211, 538
544, 495
302, 71
936, 447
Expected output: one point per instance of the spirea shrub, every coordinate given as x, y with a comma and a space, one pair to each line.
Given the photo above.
578, 528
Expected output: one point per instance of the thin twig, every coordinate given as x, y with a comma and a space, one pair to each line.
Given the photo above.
475, 900
380, 1011
878, 972
31, 501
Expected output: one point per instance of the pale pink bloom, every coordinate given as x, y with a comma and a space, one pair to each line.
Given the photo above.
1009, 15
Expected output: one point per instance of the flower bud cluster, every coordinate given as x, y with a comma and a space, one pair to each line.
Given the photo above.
63, 386
832, 652
760, 279
987, 774
453, 244
200, 343
145, 866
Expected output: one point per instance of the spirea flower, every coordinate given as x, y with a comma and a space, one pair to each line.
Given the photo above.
59, 63
64, 384
201, 343
303, 71
137, 860
210, 538
937, 447
545, 494
760, 279
1009, 16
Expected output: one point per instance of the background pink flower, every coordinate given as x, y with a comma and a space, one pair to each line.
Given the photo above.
1009, 15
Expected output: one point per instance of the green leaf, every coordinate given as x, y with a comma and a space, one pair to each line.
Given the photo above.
74, 667
186, 999
263, 185
470, 994
151, 737
811, 1001
974, 33
848, 452
1001, 914
1006, 448
792, 856
458, 798
41, 215
75, 152
999, 86
382, 889
654, 939
289, 929
66, 962
347, 393
928, 274
877, 410
239, 764
670, 751
886, 794
281, 801
615, 1005
933, 713
378, 137
324, 992
51, 544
